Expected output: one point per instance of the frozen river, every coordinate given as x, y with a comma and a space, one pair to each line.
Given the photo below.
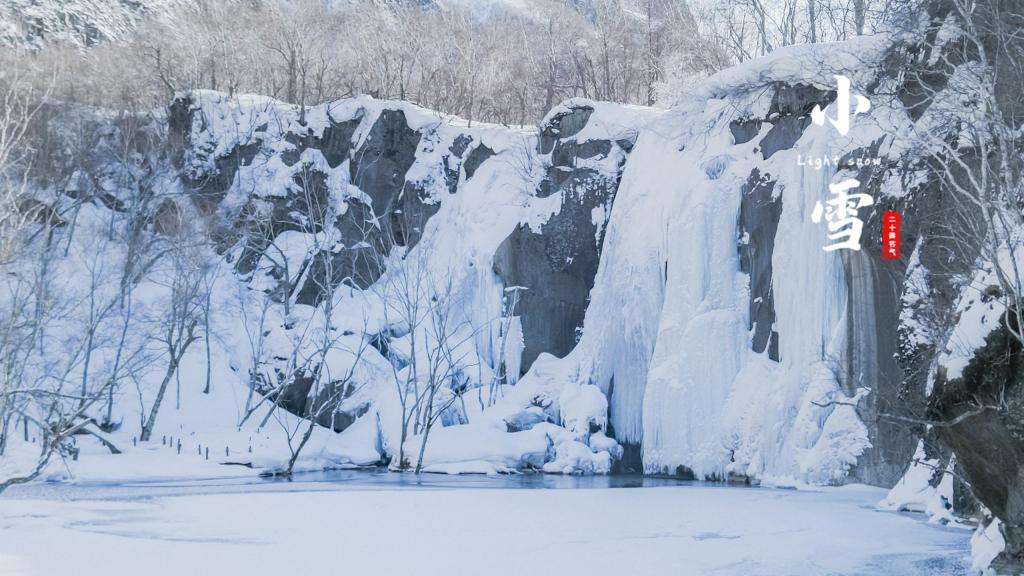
380, 524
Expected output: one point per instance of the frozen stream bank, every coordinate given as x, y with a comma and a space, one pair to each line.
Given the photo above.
362, 523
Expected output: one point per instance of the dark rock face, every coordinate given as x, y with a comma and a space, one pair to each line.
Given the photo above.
883, 353
758, 221
557, 266
263, 219
789, 114
207, 188
631, 462
980, 416
210, 190
378, 167
476, 158
982, 412
874, 288
358, 265
335, 143
296, 399
873, 307
563, 126
987, 445
743, 131
392, 212
408, 215
558, 263
880, 355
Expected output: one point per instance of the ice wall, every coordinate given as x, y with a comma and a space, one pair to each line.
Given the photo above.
721, 331
706, 401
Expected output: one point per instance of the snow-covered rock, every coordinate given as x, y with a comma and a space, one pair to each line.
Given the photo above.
361, 188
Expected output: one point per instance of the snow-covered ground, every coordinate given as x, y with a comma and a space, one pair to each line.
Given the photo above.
458, 525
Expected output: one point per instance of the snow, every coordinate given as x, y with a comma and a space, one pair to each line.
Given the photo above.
978, 313
986, 543
842, 440
453, 449
917, 491
254, 335
201, 423
800, 63
458, 245
609, 121
286, 528
581, 406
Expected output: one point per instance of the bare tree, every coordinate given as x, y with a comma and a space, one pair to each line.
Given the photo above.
432, 345
182, 322
505, 66
977, 160
314, 364
311, 365
20, 102
63, 343
449, 354
401, 290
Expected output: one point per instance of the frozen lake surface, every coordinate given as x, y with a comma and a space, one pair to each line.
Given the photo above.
376, 523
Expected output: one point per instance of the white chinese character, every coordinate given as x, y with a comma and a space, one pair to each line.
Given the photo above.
841, 215
842, 119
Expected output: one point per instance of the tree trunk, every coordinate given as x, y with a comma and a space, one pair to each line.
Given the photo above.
40, 466
4, 432
859, 16
51, 442
88, 357
172, 367
206, 328
423, 448
298, 450
812, 20
428, 424
401, 444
